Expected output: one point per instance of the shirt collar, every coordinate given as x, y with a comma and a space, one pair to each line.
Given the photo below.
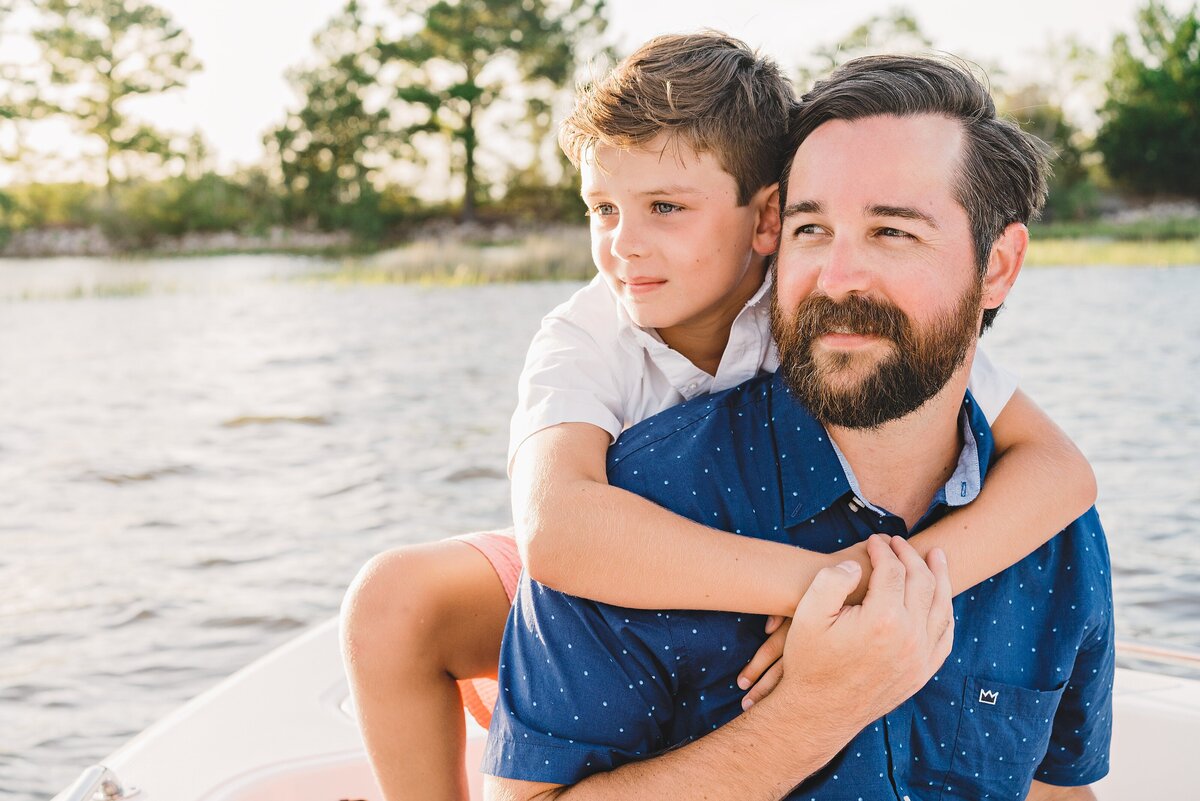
688, 379
815, 474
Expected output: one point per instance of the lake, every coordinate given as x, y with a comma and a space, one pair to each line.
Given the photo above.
197, 455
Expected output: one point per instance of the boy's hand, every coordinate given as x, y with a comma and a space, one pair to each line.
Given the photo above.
855, 553
765, 670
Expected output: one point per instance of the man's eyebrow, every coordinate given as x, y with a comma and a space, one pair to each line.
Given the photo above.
903, 212
801, 207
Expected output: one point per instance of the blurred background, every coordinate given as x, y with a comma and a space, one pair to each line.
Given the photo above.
268, 270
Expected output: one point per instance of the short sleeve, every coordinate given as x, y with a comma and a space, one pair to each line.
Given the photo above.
1081, 738
582, 689
570, 376
991, 385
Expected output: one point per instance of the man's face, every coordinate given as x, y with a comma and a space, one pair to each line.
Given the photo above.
669, 236
877, 297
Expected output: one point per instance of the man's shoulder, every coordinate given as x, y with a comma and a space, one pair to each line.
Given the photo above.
699, 422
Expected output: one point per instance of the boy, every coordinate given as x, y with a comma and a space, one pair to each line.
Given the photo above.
679, 150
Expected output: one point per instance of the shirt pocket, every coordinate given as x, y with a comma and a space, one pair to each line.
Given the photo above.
1003, 733
974, 738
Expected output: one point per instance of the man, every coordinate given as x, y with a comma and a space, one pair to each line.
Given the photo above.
903, 230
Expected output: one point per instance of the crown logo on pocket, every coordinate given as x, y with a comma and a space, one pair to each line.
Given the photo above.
989, 697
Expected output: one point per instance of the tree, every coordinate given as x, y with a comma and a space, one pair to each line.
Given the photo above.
460, 56
1072, 195
1151, 122
324, 148
103, 52
896, 31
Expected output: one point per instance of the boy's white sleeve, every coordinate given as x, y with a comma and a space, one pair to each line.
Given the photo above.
570, 373
991, 385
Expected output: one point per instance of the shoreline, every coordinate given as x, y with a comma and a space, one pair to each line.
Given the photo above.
501, 253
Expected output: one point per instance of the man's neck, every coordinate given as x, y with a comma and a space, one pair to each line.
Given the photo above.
901, 465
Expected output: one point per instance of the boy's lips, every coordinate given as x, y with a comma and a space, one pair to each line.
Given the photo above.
642, 286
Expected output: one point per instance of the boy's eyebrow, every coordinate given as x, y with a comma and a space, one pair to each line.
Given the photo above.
676, 189
903, 212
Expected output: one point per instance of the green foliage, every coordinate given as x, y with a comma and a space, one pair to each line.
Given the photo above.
462, 55
103, 52
1151, 121
895, 31
1073, 195
1148, 230
324, 149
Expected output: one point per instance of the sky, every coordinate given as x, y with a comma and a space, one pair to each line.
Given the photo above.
246, 46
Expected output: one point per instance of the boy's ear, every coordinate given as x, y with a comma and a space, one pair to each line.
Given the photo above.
767, 226
1004, 264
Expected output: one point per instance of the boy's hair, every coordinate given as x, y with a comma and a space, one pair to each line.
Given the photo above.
707, 90
1002, 177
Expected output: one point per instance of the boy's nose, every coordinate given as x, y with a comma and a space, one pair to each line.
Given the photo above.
845, 270
628, 242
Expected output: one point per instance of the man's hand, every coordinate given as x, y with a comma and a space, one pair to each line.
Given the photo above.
860, 662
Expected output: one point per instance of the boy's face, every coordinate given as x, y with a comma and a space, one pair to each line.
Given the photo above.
671, 240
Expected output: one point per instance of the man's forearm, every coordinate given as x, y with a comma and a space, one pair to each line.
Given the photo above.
1040, 791
758, 756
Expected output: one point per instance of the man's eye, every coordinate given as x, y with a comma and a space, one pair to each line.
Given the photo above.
808, 230
894, 233
662, 207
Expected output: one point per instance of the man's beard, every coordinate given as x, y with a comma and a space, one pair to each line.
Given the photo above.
918, 366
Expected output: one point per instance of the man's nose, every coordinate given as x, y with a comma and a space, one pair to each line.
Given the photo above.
628, 240
845, 270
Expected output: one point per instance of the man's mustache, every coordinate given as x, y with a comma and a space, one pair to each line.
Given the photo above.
857, 314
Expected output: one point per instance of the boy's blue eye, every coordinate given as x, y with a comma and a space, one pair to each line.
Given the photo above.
662, 207
602, 210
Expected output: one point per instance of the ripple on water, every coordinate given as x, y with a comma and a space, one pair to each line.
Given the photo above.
152, 474
275, 419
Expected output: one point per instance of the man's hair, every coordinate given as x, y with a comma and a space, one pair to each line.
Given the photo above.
705, 90
1002, 175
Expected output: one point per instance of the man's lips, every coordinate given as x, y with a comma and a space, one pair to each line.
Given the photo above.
846, 338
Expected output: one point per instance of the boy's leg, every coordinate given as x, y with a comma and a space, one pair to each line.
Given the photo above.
414, 621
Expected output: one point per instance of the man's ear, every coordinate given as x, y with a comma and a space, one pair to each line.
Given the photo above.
1004, 264
767, 225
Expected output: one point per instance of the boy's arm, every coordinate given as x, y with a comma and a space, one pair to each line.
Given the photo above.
1039, 484
582, 536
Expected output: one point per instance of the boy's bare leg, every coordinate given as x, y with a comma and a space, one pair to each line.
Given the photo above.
414, 621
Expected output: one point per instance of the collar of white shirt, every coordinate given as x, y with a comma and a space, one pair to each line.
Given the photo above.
749, 351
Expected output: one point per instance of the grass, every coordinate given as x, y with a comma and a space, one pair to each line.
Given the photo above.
127, 289
554, 254
1094, 252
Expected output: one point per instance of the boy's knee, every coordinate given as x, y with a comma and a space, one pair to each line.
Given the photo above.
392, 603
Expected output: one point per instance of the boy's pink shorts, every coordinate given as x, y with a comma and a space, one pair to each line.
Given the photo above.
500, 548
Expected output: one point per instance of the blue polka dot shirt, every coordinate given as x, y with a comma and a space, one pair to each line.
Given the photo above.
1025, 694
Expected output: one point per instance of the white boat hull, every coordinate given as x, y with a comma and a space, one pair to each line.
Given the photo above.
283, 730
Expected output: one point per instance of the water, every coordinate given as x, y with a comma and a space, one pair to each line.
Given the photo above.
197, 455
